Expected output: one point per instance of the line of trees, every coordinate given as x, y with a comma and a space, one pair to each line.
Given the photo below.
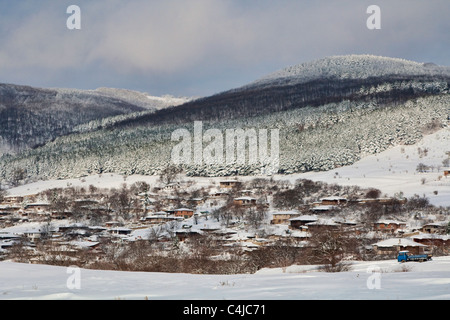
247, 101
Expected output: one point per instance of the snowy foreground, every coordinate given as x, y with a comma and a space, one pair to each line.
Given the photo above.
380, 280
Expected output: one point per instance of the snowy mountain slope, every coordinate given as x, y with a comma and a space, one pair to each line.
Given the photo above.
351, 67
143, 99
394, 171
31, 116
361, 78
375, 280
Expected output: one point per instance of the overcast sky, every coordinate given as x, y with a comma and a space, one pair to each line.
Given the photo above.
202, 47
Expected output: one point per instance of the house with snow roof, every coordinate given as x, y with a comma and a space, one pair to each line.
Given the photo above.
120, 231
9, 209
333, 201
186, 232
323, 224
301, 221
393, 245
439, 241
12, 199
435, 227
389, 226
183, 212
229, 184
245, 201
37, 209
218, 195
159, 217
282, 217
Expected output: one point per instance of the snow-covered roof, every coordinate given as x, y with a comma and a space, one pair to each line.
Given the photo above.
324, 222
305, 217
323, 208
333, 198
403, 242
428, 236
245, 198
120, 229
86, 200
290, 212
387, 221
75, 225
436, 224
84, 244
345, 221
8, 235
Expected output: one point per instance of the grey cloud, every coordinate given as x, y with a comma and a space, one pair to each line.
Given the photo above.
172, 45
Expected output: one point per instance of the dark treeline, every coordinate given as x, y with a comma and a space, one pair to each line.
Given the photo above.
263, 100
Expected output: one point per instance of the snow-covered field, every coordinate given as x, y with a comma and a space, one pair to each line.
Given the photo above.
380, 280
394, 170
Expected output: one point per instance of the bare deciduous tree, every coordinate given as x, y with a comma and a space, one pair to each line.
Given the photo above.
328, 247
169, 174
255, 216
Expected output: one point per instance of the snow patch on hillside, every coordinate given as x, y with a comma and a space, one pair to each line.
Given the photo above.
168, 100
394, 170
144, 99
99, 181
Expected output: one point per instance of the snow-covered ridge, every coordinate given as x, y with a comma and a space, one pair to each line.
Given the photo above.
140, 99
143, 99
352, 67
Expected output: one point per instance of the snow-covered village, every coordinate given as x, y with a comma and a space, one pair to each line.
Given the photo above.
234, 226
221, 150
219, 225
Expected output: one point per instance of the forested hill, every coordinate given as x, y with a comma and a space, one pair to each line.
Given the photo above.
329, 113
364, 78
30, 117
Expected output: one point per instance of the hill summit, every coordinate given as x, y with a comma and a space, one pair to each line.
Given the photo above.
352, 67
